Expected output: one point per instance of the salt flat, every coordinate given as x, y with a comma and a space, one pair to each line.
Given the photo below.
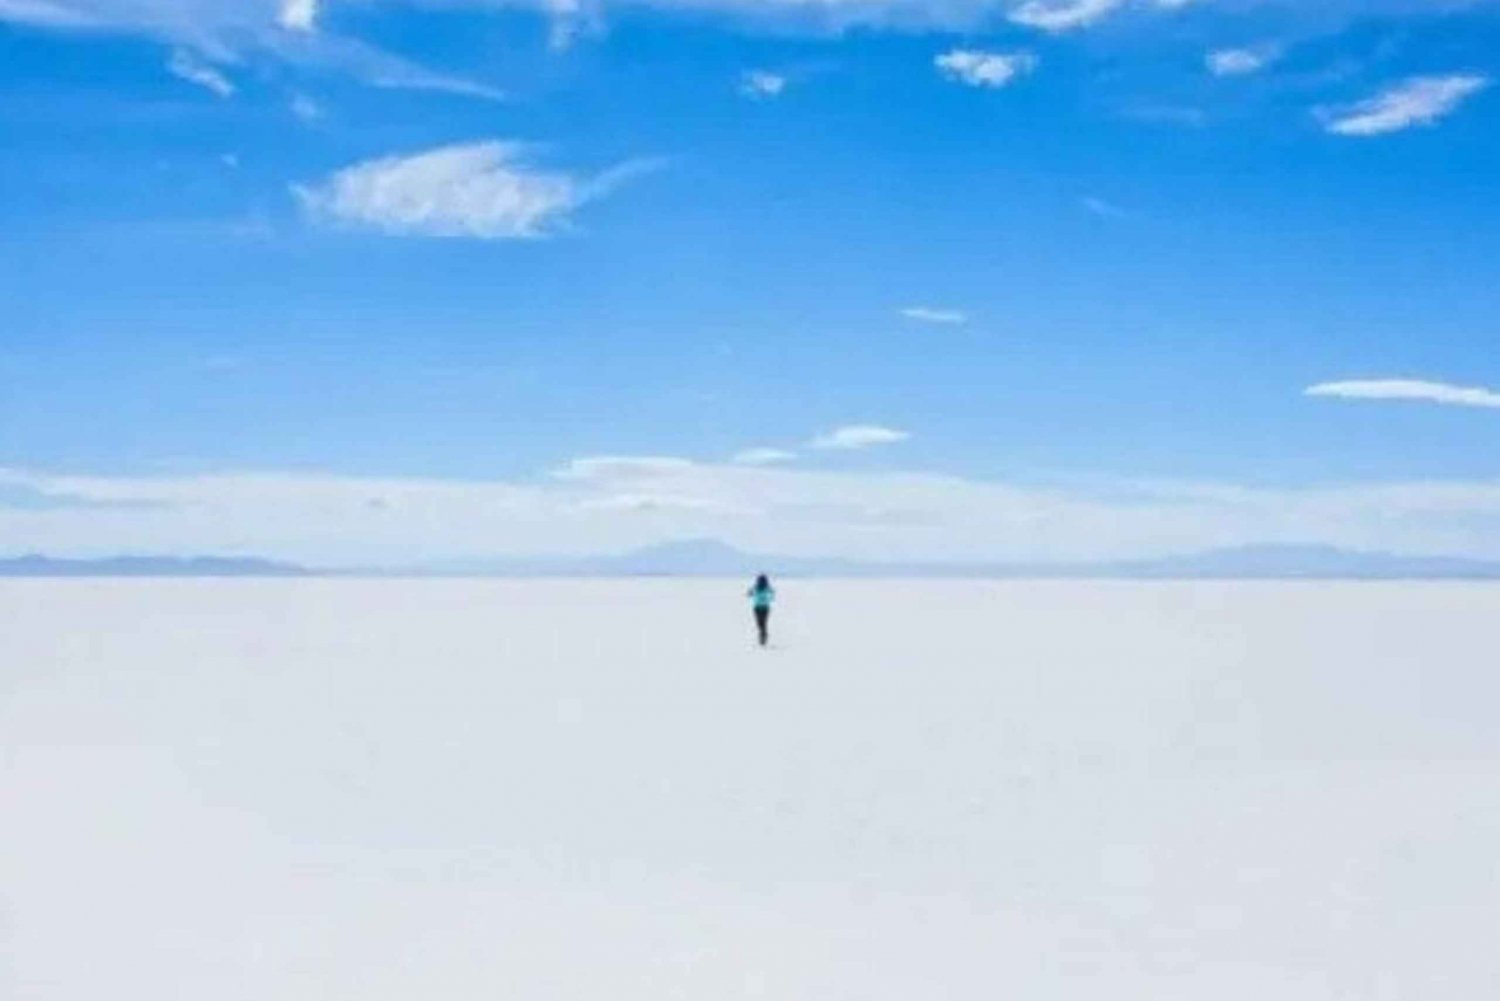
539, 791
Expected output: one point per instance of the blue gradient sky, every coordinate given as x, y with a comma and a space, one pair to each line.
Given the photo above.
209, 283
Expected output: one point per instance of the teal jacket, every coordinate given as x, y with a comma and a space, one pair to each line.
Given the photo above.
762, 597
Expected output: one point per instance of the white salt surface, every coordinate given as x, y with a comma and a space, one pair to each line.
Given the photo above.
546, 791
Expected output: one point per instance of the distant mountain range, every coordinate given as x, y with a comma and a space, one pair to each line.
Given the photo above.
710, 558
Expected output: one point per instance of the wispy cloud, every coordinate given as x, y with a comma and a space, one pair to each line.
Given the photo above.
762, 456
984, 69
1104, 209
857, 436
380, 69
1418, 101
45, 13
305, 108
762, 84
1070, 15
1417, 390
1240, 62
933, 314
234, 31
186, 66
483, 190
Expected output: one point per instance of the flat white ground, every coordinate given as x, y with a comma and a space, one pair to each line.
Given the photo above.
545, 791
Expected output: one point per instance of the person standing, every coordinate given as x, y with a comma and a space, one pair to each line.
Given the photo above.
762, 596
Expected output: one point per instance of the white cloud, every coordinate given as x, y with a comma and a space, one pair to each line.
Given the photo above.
1063, 15
1418, 101
1239, 62
1059, 16
483, 190
762, 456
1408, 389
761, 84
858, 436
933, 314
186, 66
984, 69
298, 15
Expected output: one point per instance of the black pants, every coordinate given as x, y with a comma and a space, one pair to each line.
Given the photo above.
762, 621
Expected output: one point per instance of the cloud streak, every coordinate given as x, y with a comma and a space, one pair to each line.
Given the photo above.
1063, 15
1411, 103
184, 65
936, 315
858, 436
1409, 390
1104, 209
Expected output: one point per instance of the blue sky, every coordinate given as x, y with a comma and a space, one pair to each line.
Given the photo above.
1065, 278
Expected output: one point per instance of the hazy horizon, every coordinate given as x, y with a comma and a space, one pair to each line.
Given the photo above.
707, 558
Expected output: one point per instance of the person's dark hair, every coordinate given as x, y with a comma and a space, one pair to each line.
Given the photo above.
762, 582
